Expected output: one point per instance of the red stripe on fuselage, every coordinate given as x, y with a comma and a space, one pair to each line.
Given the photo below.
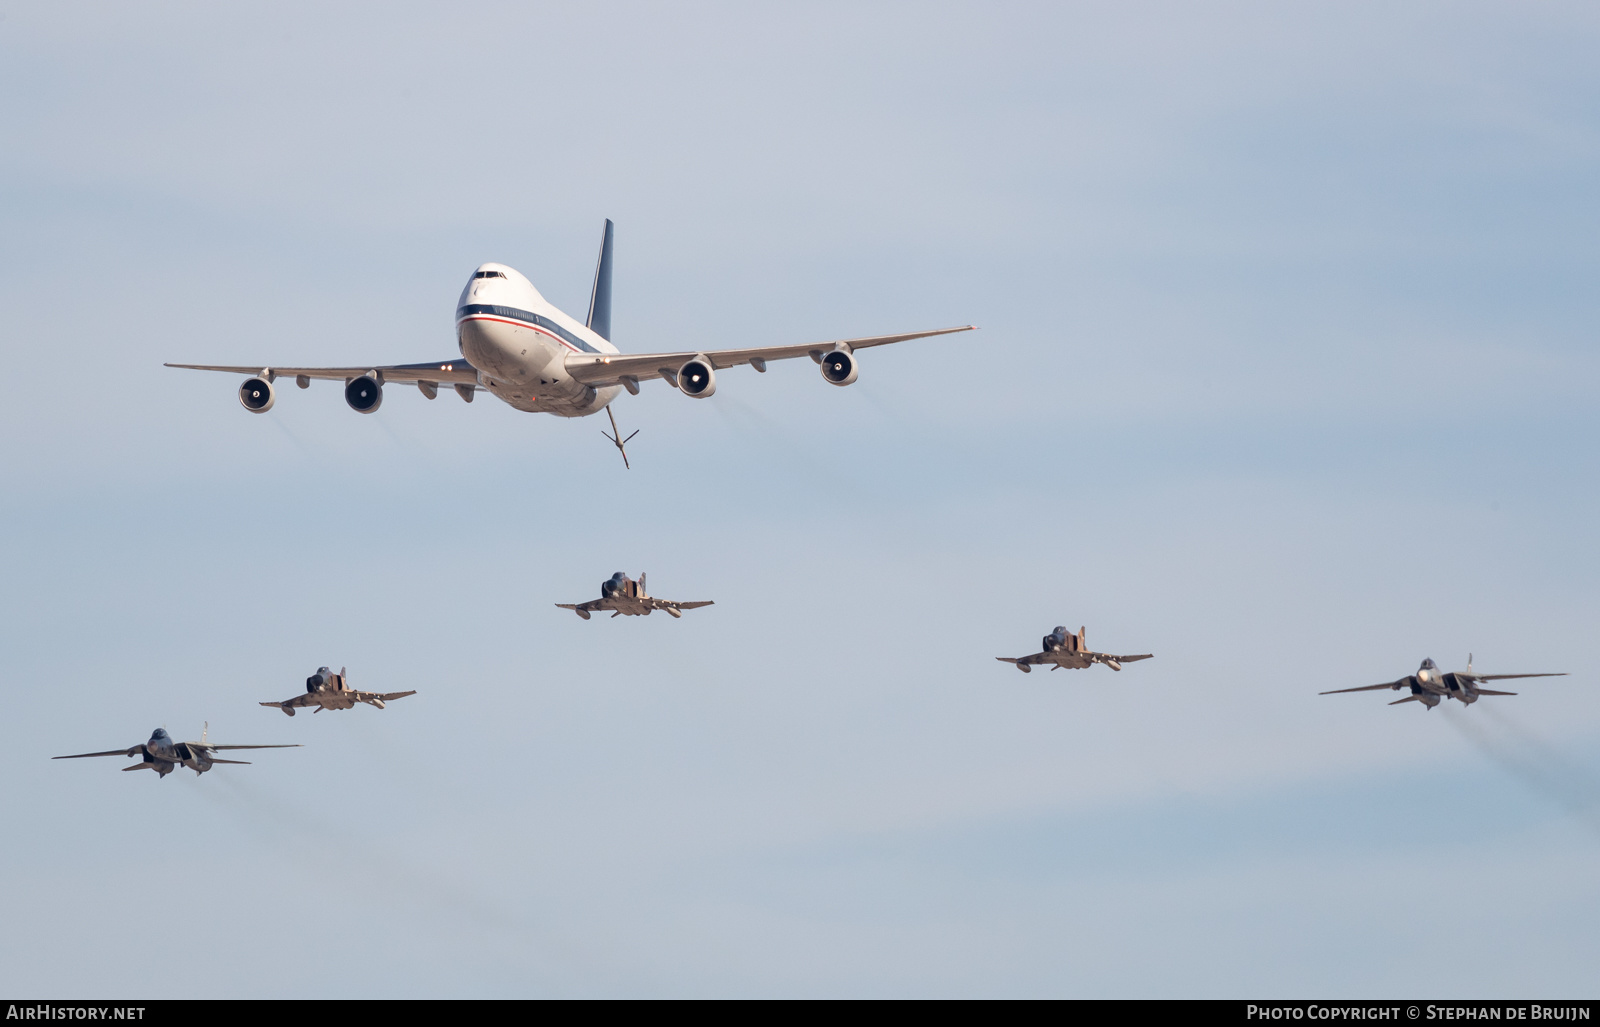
521, 324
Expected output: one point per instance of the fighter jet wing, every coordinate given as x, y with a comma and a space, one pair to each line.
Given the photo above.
455, 371
110, 752
1035, 658
1507, 677
611, 368
1130, 659
682, 606
1367, 688
391, 696
590, 607
298, 702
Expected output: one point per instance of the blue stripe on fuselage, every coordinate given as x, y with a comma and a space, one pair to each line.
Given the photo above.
528, 317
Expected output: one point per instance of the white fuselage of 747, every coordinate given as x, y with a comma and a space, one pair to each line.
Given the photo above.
519, 342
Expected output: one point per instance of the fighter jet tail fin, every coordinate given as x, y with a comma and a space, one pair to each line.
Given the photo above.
244, 763
600, 296
1409, 698
1490, 691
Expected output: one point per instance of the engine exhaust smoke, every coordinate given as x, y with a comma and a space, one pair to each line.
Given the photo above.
1532, 760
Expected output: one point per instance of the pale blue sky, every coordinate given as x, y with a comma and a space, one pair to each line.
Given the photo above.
1286, 374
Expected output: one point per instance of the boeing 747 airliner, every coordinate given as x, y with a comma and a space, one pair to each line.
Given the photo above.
521, 348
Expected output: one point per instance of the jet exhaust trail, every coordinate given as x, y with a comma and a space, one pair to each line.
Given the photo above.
1535, 762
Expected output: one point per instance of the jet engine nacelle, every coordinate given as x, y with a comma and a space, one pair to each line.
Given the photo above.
839, 367
697, 378
257, 395
364, 394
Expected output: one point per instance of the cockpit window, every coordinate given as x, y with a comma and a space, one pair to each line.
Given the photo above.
490, 274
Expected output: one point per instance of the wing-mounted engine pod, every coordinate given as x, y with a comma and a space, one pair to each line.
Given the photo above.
364, 394
839, 367
697, 378
257, 395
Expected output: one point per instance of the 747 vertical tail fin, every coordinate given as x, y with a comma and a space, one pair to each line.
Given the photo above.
600, 296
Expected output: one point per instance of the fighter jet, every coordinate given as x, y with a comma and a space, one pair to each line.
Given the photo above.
328, 691
1428, 685
622, 595
1064, 649
162, 755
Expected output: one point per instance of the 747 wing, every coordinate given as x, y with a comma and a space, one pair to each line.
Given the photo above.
628, 369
